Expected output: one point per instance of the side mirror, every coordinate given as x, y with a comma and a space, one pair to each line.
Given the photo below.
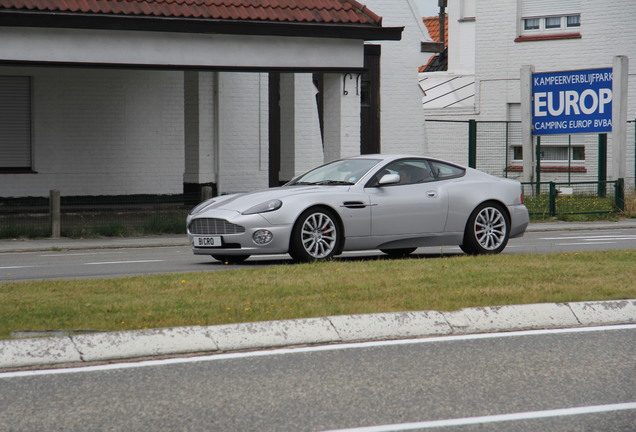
389, 179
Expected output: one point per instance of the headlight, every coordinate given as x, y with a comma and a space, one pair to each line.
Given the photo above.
204, 205
265, 207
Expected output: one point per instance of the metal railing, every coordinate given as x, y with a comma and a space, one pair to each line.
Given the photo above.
572, 198
95, 216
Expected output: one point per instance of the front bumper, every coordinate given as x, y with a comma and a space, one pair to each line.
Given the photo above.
243, 243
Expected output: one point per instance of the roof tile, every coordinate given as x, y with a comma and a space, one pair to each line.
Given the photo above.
432, 25
301, 11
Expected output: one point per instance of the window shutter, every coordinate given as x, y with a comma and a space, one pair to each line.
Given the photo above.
15, 122
540, 8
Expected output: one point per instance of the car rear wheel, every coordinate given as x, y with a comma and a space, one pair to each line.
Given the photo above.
316, 235
487, 230
398, 253
230, 259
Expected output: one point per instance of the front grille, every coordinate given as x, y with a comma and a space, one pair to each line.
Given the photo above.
208, 226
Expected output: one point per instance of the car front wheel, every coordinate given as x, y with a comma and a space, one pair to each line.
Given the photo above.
487, 230
316, 236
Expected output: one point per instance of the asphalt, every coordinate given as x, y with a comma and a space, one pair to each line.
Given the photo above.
73, 348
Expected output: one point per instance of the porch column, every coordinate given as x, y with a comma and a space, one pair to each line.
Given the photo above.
243, 134
198, 130
300, 140
341, 115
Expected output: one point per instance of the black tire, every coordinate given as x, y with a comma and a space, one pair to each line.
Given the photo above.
487, 230
230, 259
398, 253
316, 236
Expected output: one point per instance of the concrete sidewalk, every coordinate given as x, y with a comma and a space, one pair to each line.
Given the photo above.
28, 245
74, 348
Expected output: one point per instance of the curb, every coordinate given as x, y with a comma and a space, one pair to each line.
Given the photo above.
110, 346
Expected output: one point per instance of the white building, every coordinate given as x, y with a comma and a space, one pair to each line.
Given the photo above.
490, 42
104, 100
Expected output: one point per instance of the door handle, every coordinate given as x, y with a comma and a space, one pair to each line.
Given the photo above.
431, 194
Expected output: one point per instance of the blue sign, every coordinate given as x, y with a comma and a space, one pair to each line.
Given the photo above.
572, 102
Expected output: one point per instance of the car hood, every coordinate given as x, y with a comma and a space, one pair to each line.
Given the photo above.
242, 202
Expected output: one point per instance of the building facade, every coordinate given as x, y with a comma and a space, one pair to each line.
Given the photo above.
106, 101
489, 42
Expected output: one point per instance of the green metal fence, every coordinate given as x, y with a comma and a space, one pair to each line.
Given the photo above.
571, 198
495, 147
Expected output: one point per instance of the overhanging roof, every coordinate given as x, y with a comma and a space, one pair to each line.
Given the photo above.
342, 19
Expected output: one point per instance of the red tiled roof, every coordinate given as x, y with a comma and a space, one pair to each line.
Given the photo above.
432, 25
290, 11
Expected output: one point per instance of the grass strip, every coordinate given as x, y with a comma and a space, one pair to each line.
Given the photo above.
315, 290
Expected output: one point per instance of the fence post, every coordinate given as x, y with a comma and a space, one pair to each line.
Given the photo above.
54, 212
619, 194
602, 164
206, 193
538, 165
472, 143
553, 196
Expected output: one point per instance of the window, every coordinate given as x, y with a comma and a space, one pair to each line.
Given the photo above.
412, 171
553, 22
554, 153
444, 171
531, 24
573, 21
545, 18
15, 124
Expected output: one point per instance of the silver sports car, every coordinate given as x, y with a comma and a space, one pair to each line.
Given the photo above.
392, 203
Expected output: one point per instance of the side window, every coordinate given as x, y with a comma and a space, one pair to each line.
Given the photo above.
443, 171
411, 171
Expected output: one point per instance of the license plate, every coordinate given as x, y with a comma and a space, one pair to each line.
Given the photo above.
203, 242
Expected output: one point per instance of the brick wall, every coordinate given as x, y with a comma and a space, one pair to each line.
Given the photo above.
103, 132
243, 132
402, 120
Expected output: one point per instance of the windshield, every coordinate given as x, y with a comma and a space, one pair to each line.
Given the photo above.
340, 172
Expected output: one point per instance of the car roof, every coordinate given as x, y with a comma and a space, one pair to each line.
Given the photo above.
389, 157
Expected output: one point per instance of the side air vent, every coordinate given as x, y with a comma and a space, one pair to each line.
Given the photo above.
354, 204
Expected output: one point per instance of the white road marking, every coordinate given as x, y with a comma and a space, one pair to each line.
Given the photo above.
319, 348
592, 238
530, 415
595, 240
62, 254
581, 244
15, 267
122, 262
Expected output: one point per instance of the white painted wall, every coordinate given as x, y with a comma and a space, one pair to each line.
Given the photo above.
402, 126
243, 132
103, 132
176, 49
461, 36
112, 131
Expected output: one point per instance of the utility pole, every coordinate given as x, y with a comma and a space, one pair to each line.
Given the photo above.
442, 20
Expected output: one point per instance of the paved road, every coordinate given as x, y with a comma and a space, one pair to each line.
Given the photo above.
559, 380
64, 258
